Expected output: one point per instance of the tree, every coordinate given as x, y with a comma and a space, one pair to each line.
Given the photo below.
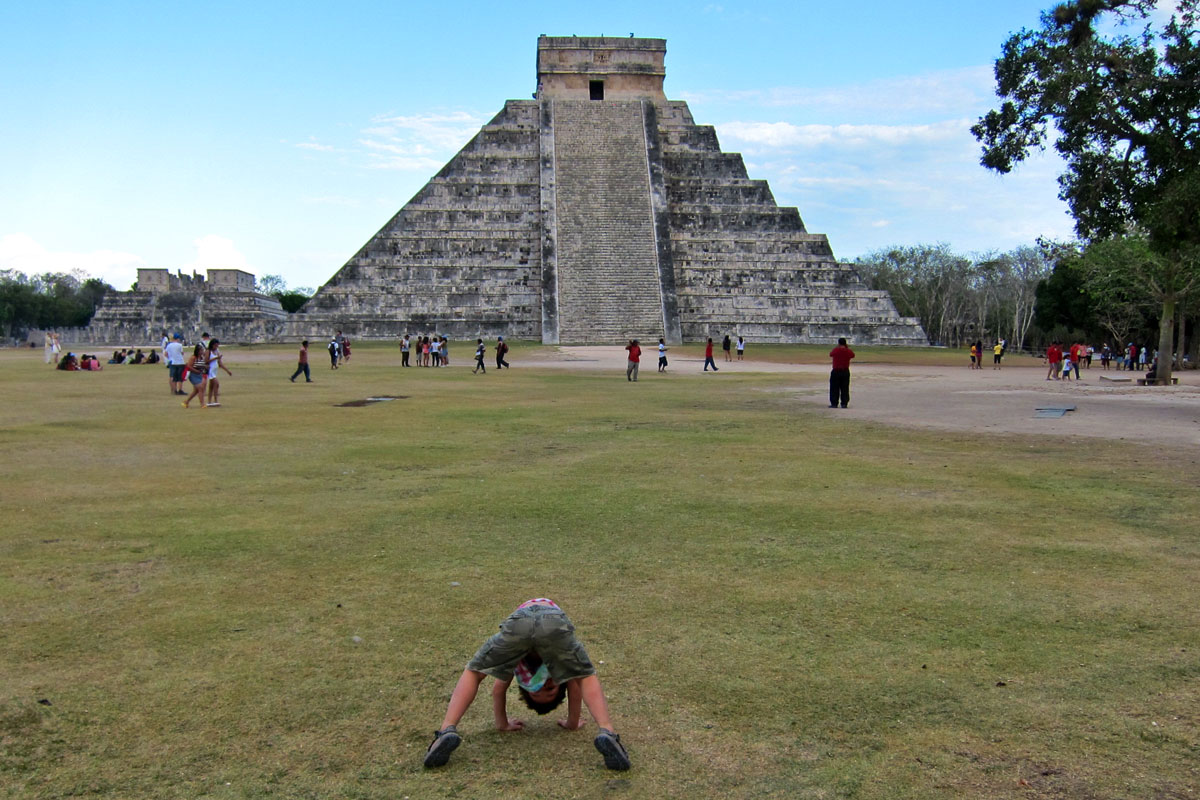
1124, 108
1026, 268
1110, 271
928, 282
290, 299
50, 300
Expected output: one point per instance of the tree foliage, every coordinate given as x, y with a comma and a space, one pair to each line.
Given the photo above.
1122, 109
291, 299
960, 298
49, 300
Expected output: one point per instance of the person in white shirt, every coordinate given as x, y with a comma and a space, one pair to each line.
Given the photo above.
173, 356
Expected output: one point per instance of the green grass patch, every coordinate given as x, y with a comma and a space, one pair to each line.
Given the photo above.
274, 598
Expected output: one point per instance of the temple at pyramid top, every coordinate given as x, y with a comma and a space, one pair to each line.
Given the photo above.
600, 68
597, 212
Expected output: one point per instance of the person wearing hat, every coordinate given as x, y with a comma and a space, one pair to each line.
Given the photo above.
537, 646
501, 352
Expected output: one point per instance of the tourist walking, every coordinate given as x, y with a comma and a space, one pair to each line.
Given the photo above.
997, 354
335, 350
635, 356
215, 365
480, 351
725, 345
173, 354
405, 346
839, 375
197, 373
708, 354
501, 352
662, 356
302, 364
741, 348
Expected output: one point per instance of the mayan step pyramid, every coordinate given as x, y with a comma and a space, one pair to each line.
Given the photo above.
595, 213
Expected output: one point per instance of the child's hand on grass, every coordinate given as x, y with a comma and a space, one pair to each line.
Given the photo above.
511, 725
566, 723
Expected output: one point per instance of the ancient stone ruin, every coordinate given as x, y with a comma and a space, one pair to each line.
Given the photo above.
225, 303
597, 212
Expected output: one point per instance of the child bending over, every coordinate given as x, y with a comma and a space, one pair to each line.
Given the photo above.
537, 646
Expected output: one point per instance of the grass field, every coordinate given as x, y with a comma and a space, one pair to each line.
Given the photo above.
274, 598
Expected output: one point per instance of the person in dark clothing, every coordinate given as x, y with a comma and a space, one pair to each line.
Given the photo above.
839, 376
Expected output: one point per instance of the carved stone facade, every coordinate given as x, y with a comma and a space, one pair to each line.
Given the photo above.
224, 303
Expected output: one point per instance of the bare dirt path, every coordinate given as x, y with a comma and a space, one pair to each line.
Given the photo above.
960, 399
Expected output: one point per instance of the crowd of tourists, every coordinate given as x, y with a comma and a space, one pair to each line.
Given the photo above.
1064, 362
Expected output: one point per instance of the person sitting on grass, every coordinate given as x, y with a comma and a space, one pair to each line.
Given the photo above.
537, 645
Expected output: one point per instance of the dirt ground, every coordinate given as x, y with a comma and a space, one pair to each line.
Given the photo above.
960, 399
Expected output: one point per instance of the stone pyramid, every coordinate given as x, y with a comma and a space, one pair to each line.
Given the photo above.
595, 213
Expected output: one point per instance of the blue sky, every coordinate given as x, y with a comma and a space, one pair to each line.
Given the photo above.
277, 137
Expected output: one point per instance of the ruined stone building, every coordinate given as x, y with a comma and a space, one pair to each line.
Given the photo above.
597, 212
225, 303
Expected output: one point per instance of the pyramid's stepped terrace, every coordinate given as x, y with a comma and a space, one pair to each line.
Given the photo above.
596, 212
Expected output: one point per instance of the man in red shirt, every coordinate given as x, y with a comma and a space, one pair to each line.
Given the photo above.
1054, 356
839, 376
635, 356
1076, 357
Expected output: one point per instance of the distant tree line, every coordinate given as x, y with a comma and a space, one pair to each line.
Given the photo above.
49, 300
960, 298
1054, 291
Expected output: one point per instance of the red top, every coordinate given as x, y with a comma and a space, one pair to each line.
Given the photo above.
841, 356
1054, 354
635, 352
303, 355
1075, 350
708, 349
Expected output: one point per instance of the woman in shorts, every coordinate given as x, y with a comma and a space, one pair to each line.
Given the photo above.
197, 373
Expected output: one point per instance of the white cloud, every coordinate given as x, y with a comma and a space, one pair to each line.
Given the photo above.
418, 142
20, 252
216, 252
934, 92
786, 135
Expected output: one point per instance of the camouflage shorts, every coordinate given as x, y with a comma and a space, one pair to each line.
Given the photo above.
541, 629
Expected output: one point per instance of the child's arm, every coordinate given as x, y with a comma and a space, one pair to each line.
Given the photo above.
464, 694
500, 709
574, 698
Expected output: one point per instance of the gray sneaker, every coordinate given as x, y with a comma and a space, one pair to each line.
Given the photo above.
443, 744
609, 745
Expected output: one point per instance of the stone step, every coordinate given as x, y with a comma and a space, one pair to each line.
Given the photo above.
607, 258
